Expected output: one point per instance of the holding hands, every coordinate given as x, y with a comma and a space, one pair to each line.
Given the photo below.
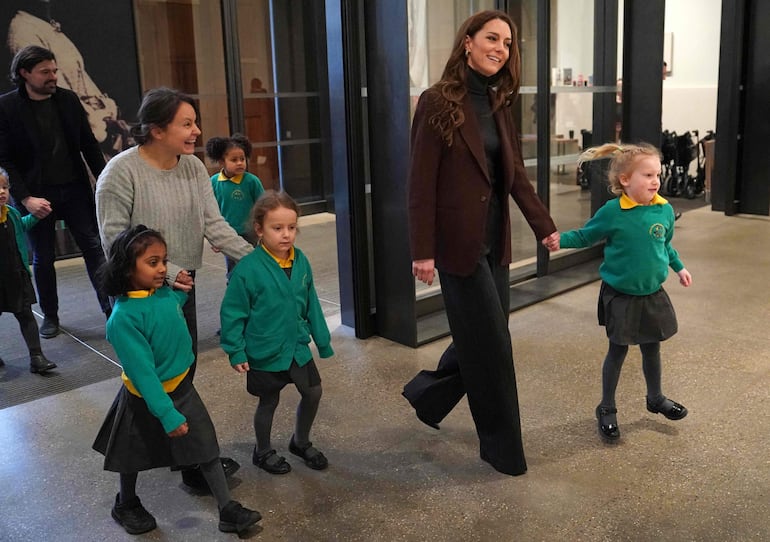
39, 207
183, 281
552, 241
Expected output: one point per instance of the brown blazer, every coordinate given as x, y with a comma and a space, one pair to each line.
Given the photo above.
449, 190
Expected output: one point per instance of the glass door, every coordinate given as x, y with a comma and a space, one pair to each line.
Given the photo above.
273, 48
179, 44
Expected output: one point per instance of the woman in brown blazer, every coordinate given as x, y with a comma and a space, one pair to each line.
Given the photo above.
465, 161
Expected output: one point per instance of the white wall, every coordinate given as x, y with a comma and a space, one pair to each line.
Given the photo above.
573, 36
690, 92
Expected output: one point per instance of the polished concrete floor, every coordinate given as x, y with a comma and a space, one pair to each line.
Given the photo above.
704, 478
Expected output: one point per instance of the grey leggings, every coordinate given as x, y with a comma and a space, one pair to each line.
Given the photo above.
613, 363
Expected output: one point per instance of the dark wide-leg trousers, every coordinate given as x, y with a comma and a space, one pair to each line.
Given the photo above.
479, 362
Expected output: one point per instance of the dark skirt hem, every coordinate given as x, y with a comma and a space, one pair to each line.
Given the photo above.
636, 319
132, 439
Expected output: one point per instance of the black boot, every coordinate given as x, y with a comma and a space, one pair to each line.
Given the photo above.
234, 518
50, 327
39, 364
132, 516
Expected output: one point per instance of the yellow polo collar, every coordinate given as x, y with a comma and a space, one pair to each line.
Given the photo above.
237, 179
137, 294
628, 203
283, 264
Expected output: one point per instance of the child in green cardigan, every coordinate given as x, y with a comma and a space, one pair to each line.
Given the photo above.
157, 419
16, 293
633, 306
269, 313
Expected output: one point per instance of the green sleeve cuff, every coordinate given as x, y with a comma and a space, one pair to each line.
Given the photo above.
172, 420
325, 351
237, 358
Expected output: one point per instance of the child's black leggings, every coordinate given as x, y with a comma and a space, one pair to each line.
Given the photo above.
212, 473
613, 363
306, 411
29, 330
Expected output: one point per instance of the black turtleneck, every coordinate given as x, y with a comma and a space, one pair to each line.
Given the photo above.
478, 91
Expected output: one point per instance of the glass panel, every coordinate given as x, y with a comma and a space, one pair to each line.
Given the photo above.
523, 245
572, 115
280, 74
256, 51
179, 44
302, 171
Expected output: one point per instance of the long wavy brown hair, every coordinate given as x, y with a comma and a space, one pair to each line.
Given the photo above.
452, 88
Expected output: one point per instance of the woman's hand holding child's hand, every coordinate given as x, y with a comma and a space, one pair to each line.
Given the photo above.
179, 431
685, 279
552, 241
39, 207
183, 281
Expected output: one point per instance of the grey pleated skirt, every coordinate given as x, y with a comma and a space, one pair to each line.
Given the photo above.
132, 439
636, 319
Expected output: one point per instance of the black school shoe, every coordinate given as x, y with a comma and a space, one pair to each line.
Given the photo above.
608, 429
313, 457
193, 477
271, 462
234, 518
674, 411
132, 516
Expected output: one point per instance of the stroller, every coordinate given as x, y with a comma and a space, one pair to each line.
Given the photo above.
668, 162
678, 153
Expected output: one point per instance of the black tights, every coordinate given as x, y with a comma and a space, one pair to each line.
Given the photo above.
29, 330
306, 411
212, 472
651, 367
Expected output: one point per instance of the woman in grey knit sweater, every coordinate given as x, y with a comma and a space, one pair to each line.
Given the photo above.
161, 184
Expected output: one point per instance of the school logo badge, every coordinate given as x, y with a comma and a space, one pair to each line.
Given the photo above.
237, 195
657, 231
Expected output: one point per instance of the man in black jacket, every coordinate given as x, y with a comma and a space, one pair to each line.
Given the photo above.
45, 143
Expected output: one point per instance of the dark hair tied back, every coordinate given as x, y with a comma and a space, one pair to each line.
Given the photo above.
115, 274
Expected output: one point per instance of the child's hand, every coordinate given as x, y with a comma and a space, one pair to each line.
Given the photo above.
685, 279
183, 281
552, 241
179, 431
40, 207
241, 367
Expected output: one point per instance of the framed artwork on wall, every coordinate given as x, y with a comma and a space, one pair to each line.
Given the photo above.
668, 54
95, 49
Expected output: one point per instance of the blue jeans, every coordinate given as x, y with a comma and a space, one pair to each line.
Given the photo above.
73, 203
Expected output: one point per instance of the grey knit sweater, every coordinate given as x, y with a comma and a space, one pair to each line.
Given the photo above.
178, 202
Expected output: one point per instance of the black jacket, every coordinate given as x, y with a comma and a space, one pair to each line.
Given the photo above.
20, 141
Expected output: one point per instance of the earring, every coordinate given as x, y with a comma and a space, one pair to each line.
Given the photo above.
467, 52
